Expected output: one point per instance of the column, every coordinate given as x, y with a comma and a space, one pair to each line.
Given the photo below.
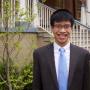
2, 13
23, 8
35, 13
83, 14
88, 12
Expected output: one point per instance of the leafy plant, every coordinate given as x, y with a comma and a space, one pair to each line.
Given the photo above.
20, 80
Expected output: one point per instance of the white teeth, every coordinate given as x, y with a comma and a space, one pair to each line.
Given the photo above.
62, 34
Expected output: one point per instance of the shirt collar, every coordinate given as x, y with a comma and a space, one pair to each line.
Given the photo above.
57, 47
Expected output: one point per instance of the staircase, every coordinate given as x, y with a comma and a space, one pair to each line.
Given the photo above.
80, 35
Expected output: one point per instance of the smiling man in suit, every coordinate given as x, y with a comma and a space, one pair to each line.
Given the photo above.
61, 65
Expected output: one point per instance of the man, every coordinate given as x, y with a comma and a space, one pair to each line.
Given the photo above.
49, 70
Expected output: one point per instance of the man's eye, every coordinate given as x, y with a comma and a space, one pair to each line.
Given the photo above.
67, 26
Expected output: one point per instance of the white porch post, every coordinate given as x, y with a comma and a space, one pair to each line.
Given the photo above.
23, 8
12, 20
2, 13
88, 12
35, 13
83, 14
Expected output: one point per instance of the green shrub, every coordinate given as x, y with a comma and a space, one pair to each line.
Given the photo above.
20, 80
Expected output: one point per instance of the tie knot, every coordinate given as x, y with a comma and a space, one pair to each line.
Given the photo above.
62, 50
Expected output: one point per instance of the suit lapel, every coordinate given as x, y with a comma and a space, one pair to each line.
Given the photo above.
73, 61
51, 62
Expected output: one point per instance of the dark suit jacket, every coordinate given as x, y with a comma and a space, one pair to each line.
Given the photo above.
44, 73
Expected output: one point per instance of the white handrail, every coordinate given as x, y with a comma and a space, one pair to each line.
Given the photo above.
44, 14
80, 34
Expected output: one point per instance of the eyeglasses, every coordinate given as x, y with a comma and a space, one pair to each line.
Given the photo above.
65, 26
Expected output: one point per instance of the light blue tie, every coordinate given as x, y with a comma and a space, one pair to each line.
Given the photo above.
62, 71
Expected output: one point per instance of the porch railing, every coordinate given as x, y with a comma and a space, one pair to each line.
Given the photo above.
80, 34
44, 17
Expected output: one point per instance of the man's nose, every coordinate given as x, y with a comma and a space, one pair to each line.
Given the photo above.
62, 30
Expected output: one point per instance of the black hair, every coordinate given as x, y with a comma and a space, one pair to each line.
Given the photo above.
61, 15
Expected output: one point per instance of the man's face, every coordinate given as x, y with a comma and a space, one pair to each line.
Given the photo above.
61, 31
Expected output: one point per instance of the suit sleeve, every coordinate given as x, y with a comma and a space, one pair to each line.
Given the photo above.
37, 85
87, 73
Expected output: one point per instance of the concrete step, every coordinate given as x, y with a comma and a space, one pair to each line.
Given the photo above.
44, 37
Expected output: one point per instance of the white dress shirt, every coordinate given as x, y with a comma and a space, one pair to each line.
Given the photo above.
57, 55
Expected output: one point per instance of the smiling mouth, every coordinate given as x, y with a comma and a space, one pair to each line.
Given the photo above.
63, 35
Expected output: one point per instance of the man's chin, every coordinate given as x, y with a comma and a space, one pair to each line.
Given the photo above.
62, 42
